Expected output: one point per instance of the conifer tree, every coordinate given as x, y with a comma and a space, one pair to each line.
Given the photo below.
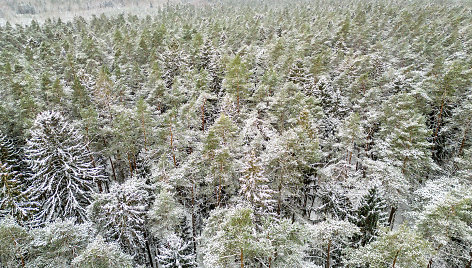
446, 223
219, 150
120, 215
403, 136
400, 248
236, 80
99, 253
370, 216
63, 174
14, 243
175, 252
254, 185
58, 243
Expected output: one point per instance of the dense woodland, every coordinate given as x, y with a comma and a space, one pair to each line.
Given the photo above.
320, 133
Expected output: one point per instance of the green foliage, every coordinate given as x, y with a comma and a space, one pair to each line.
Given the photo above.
57, 244
403, 247
446, 222
165, 214
100, 254
227, 104
14, 243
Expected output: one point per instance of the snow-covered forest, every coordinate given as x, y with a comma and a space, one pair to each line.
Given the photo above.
215, 134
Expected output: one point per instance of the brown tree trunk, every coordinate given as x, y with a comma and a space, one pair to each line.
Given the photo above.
130, 164
112, 168
395, 259
219, 191
430, 263
469, 264
328, 254
242, 258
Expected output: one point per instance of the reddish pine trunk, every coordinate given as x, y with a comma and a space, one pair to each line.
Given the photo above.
130, 164
112, 168
328, 254
395, 259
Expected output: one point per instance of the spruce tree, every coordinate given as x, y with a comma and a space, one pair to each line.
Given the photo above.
63, 177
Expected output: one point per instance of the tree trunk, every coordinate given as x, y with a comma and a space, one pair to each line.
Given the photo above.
203, 115
112, 168
391, 217
172, 145
148, 249
395, 259
328, 254
430, 263
130, 164
219, 192
279, 200
242, 258
469, 264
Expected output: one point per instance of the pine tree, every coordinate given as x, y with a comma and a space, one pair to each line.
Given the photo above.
254, 185
228, 232
99, 253
57, 243
236, 80
63, 174
446, 223
283, 243
144, 118
403, 136
219, 152
164, 215
13, 200
215, 72
400, 248
14, 243
329, 237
